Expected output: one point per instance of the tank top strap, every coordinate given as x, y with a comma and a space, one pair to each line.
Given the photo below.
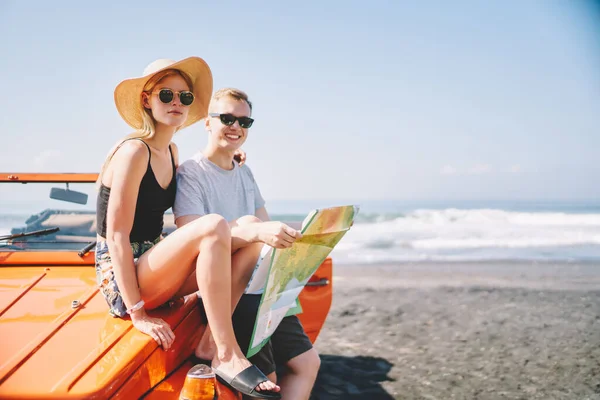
172, 158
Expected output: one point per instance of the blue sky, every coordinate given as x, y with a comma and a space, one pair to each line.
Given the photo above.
353, 100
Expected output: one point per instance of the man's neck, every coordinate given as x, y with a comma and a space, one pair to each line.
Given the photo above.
221, 158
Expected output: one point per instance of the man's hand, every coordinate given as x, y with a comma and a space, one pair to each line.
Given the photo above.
277, 234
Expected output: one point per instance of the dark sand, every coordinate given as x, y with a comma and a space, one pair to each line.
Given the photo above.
462, 331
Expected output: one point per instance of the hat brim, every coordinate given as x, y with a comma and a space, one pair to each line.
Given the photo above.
128, 94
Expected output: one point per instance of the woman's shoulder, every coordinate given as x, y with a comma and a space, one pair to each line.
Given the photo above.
133, 147
132, 152
130, 158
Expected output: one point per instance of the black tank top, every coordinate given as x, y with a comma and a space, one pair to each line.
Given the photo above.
152, 202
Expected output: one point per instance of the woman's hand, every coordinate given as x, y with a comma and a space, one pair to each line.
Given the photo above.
240, 156
157, 328
277, 234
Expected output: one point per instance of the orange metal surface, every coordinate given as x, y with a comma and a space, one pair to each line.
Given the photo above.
79, 352
85, 353
47, 177
160, 363
35, 258
316, 301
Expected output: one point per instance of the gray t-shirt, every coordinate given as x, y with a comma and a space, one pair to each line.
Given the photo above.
205, 188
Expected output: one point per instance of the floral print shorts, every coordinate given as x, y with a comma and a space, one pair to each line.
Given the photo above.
105, 276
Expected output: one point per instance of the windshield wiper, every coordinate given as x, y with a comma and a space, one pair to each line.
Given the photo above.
41, 232
86, 249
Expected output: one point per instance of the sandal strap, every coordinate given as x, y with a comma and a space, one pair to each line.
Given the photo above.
249, 379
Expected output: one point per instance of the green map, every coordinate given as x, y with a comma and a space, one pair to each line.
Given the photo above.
284, 272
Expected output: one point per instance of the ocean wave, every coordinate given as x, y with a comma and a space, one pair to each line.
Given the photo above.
454, 234
476, 234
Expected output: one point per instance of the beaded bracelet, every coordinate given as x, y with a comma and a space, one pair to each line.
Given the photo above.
138, 306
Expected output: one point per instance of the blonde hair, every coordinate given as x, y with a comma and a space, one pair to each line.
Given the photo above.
148, 129
229, 92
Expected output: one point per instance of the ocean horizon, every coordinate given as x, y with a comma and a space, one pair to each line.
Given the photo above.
415, 231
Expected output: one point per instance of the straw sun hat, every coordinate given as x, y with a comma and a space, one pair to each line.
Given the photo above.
128, 94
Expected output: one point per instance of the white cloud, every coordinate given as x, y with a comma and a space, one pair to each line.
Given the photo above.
479, 169
448, 170
45, 158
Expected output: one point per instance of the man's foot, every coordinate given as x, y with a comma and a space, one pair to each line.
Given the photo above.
207, 349
237, 364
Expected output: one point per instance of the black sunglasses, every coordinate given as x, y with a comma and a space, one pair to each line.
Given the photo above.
229, 119
166, 96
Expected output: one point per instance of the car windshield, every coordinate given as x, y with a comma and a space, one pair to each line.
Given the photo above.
30, 211
28, 207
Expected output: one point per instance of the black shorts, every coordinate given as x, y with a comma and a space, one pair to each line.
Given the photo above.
287, 342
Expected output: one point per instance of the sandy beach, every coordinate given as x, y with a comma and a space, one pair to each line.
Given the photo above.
496, 330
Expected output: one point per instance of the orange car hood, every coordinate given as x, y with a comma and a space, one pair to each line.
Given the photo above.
52, 349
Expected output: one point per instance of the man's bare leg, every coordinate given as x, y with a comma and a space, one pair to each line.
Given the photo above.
300, 376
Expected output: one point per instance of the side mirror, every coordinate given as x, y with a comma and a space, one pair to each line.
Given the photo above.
70, 196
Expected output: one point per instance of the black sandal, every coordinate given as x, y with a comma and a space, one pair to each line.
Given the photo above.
246, 382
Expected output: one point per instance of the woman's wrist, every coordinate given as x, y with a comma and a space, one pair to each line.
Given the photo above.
138, 314
136, 307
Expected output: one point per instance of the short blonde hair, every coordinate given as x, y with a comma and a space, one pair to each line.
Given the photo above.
233, 93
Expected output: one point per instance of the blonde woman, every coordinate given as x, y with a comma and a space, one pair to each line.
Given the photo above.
136, 269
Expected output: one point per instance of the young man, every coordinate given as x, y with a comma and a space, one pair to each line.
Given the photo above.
212, 182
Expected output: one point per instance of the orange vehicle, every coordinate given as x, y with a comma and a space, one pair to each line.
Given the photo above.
57, 338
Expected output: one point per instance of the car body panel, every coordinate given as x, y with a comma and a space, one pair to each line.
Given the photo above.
58, 340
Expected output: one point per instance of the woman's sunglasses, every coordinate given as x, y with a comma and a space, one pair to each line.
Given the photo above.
166, 96
229, 119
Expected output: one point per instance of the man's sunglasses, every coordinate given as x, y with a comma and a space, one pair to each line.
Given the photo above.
229, 119
166, 96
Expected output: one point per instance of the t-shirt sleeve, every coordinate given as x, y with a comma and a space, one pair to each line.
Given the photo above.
259, 202
189, 199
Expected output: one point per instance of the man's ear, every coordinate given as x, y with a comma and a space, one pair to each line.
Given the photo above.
145, 100
207, 124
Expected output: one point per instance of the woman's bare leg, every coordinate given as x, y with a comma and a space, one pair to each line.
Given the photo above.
243, 262
163, 270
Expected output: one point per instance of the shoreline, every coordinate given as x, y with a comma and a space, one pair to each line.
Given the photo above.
497, 274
